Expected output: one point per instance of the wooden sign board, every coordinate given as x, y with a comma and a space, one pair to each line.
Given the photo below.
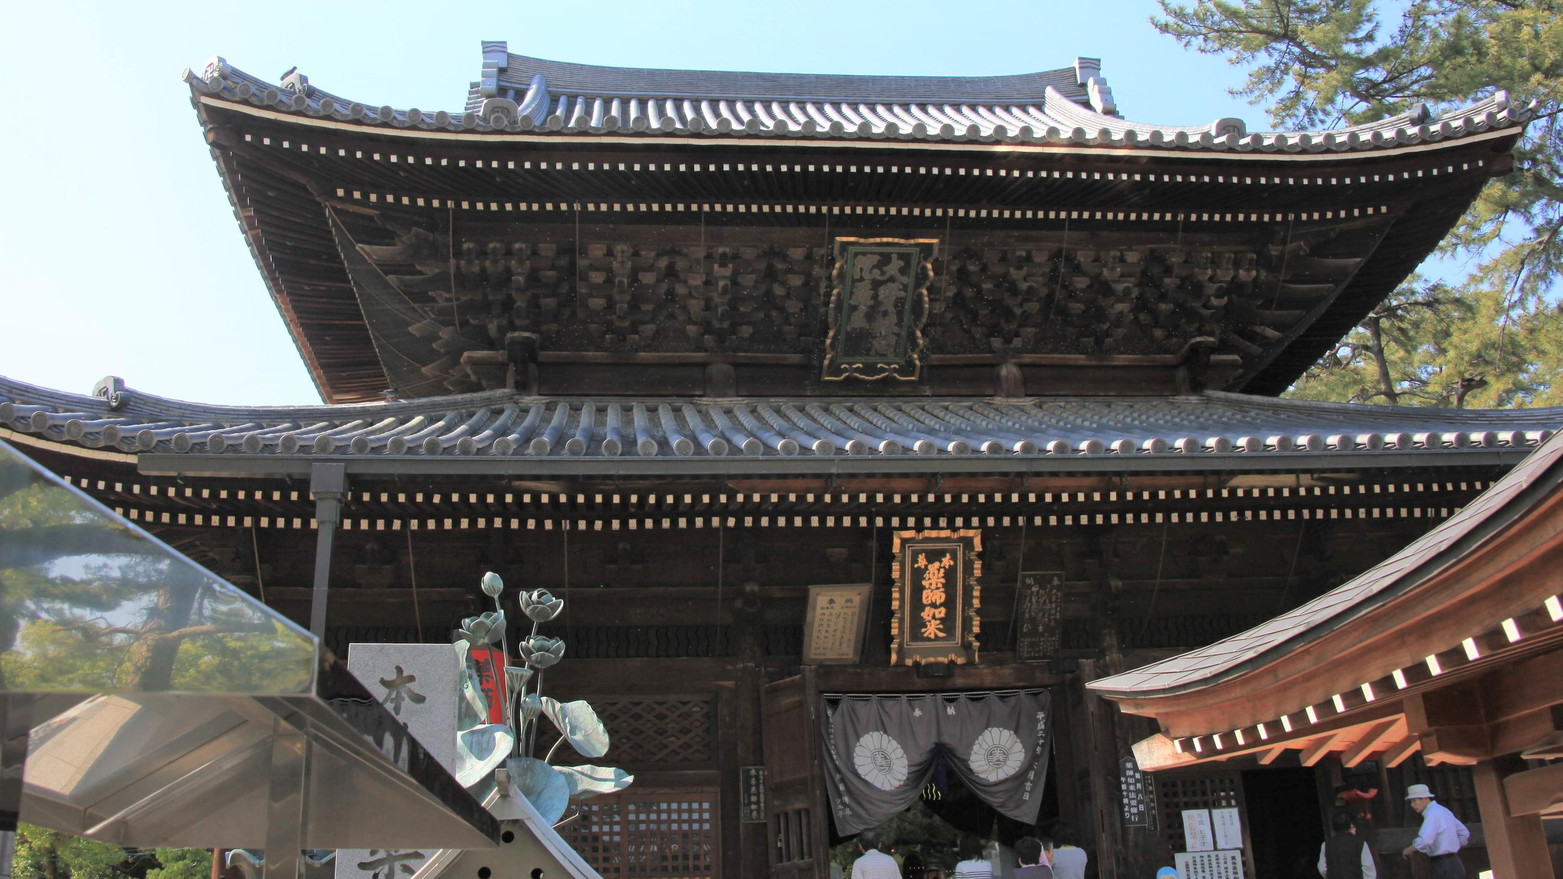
1039, 603
1210, 865
1134, 793
878, 305
833, 626
751, 785
937, 595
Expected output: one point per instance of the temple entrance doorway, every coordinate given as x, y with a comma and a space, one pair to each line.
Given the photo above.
840, 763
1284, 825
924, 838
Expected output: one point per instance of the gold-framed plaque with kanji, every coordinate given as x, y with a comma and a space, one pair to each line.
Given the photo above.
937, 595
878, 305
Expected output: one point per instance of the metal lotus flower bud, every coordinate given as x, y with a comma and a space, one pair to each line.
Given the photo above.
516, 678
492, 585
531, 707
540, 606
542, 651
483, 629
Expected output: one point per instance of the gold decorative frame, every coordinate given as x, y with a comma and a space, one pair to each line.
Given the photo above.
878, 305
958, 553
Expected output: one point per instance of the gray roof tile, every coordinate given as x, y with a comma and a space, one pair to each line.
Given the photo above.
1071, 105
1100, 433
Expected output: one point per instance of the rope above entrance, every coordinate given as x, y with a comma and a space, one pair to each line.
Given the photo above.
881, 750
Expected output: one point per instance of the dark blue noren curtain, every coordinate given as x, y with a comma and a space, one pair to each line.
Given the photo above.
881, 750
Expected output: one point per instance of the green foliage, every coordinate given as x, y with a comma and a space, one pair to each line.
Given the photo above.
917, 830
182, 863
49, 854
1430, 345
1493, 339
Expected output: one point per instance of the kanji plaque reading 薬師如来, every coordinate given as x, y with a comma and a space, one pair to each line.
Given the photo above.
936, 597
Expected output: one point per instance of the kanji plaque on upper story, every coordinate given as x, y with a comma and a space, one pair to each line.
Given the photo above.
878, 304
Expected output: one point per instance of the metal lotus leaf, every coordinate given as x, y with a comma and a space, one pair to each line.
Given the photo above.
578, 723
540, 606
480, 750
587, 781
492, 584
484, 629
542, 651
472, 702
516, 677
547, 790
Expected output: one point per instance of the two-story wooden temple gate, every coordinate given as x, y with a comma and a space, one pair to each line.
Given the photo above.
688, 601
684, 347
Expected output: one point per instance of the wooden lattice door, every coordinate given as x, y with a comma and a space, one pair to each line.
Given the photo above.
648, 835
795, 799
1177, 792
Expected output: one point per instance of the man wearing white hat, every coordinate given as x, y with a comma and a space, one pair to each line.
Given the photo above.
1441, 837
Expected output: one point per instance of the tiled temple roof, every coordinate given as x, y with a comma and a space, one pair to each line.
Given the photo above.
1529, 483
1097, 433
1072, 105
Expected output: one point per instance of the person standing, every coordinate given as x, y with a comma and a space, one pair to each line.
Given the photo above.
1441, 837
1068, 861
972, 864
1345, 855
1032, 859
873, 863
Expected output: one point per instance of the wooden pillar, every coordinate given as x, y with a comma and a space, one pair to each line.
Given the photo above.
1516, 845
750, 842
1101, 762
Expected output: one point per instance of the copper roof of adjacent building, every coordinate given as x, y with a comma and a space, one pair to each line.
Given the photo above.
1213, 430
1529, 484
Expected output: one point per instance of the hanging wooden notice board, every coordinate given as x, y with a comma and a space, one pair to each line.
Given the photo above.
1039, 601
833, 628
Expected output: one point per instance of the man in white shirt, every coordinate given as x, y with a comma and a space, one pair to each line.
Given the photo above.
1441, 837
873, 863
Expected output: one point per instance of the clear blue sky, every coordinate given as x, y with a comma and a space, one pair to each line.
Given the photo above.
119, 254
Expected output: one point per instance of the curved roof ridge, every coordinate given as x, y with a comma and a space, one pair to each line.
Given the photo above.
541, 96
1180, 431
1072, 114
132, 401
594, 80
1409, 413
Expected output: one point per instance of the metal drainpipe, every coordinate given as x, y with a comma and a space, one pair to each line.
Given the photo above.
327, 484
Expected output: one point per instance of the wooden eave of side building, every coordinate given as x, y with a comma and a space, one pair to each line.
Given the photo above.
1456, 657
281, 170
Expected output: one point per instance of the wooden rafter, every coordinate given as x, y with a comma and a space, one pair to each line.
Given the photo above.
1372, 740
1318, 748
1398, 752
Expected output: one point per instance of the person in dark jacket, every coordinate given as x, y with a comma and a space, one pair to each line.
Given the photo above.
1345, 855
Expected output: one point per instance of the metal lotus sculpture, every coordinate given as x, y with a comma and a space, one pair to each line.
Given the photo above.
484, 745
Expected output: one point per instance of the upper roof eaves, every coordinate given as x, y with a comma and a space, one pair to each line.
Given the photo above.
1069, 106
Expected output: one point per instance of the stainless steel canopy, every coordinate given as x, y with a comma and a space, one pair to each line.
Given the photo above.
152, 704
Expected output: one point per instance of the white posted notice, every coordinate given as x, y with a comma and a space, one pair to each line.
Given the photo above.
1197, 834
